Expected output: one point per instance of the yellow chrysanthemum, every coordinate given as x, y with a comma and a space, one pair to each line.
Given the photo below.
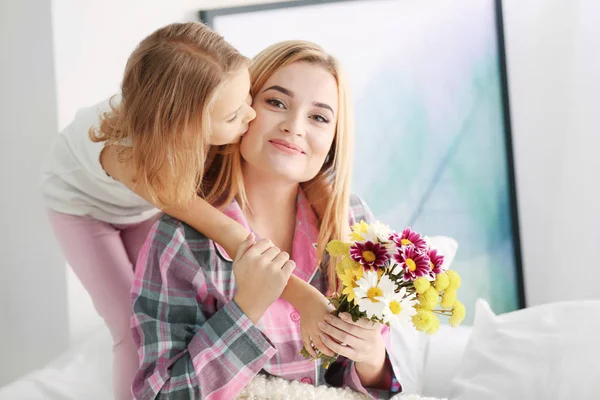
337, 248
358, 273
429, 299
422, 320
340, 270
455, 279
358, 229
421, 284
448, 298
458, 313
435, 325
348, 279
347, 262
442, 281
361, 227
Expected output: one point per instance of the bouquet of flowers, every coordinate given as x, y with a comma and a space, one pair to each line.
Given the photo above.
393, 278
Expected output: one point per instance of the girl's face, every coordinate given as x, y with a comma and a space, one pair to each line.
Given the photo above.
232, 111
296, 114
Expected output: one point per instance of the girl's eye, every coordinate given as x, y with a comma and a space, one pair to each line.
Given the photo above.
320, 118
276, 103
235, 117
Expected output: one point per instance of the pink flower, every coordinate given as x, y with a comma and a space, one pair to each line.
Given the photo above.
409, 237
413, 262
435, 262
369, 255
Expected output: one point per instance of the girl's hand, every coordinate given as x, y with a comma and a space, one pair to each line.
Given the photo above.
261, 272
313, 309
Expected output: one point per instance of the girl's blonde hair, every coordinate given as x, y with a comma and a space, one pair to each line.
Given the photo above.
168, 91
329, 191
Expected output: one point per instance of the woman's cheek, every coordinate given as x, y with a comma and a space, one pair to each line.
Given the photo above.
323, 149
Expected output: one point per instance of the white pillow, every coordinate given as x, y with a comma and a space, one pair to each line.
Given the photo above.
544, 352
443, 355
407, 355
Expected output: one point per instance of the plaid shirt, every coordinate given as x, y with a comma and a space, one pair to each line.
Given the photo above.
194, 341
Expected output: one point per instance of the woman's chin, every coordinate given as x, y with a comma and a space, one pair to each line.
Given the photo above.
282, 173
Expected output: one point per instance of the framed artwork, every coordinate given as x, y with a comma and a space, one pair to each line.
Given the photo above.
433, 138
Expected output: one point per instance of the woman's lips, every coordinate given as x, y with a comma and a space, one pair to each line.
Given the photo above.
286, 147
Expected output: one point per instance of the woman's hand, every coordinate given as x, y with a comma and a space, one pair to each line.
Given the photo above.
313, 308
360, 341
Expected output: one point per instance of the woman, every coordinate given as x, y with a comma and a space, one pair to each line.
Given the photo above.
206, 324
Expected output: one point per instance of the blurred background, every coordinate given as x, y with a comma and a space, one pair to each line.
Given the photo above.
58, 56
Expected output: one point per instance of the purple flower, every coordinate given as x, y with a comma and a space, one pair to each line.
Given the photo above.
435, 262
409, 237
413, 262
369, 255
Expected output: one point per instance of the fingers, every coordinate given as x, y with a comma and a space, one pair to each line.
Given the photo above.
342, 326
270, 254
281, 259
244, 246
260, 247
288, 268
361, 323
344, 351
340, 335
308, 345
321, 346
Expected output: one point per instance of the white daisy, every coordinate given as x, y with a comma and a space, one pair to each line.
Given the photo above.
369, 289
399, 307
380, 231
375, 232
391, 248
368, 236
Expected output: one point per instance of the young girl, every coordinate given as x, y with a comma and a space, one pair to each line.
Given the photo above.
184, 89
205, 323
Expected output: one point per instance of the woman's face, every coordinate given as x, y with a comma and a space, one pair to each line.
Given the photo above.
296, 114
232, 111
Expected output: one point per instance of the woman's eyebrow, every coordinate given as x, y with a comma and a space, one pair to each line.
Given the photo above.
281, 89
323, 105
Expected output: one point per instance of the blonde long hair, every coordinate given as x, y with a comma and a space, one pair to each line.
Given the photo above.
329, 191
168, 91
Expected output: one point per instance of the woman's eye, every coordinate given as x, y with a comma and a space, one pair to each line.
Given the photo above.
320, 118
235, 117
276, 103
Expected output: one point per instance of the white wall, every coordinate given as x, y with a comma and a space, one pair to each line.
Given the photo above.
33, 303
554, 79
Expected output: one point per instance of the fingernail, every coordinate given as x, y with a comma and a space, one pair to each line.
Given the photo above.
329, 318
321, 325
344, 316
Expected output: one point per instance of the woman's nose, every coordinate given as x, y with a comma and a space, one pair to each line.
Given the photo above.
292, 125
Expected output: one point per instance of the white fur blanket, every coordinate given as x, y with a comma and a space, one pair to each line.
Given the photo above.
263, 388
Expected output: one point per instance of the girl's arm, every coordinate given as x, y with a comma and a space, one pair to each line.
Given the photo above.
206, 219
